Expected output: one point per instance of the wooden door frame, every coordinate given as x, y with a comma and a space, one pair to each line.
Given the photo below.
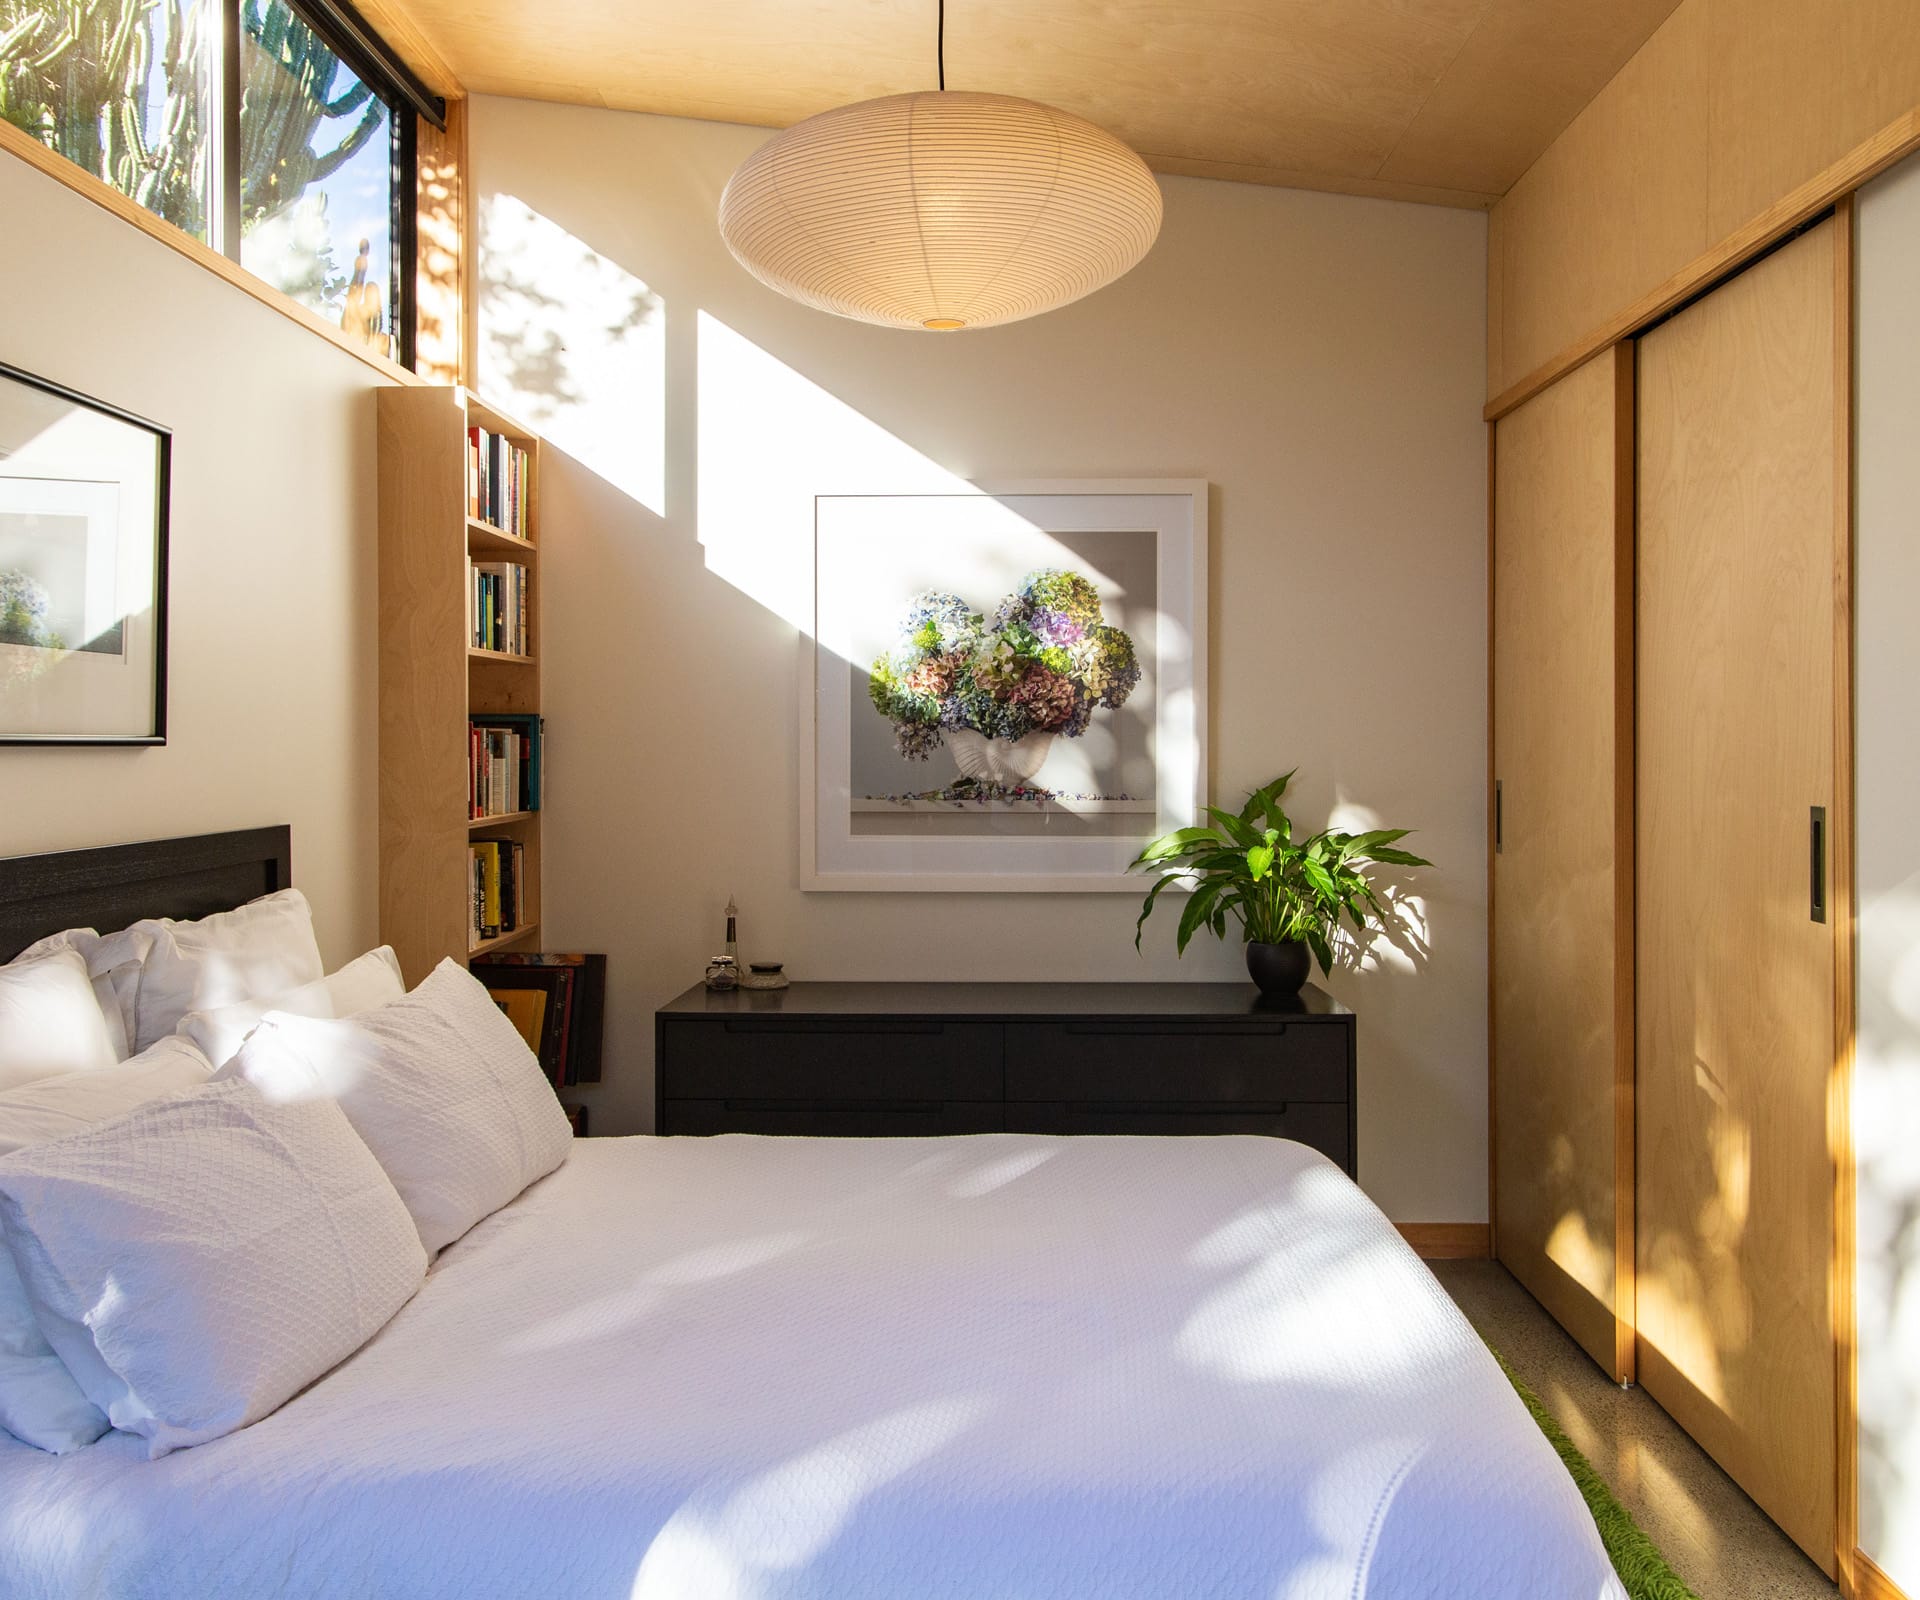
1842, 901
1856, 1573
1493, 847
1626, 552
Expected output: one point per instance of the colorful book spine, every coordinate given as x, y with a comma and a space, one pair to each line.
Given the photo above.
498, 474
500, 607
499, 886
504, 764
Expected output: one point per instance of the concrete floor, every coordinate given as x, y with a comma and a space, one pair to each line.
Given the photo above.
1717, 1539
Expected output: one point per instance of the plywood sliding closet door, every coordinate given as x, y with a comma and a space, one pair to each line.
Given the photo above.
1738, 593
1562, 885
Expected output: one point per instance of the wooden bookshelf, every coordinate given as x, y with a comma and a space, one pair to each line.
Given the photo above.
433, 679
477, 824
518, 936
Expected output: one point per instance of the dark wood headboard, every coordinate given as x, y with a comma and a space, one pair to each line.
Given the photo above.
109, 888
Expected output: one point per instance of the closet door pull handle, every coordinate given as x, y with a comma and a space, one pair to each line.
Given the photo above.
1499, 817
1817, 862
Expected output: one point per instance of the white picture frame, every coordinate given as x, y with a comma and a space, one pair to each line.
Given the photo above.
977, 544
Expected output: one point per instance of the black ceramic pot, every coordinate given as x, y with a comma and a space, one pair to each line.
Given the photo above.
1279, 969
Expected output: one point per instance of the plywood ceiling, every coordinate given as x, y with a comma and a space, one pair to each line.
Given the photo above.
1440, 100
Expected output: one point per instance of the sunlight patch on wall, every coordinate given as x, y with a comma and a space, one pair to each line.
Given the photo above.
771, 440
1886, 1110
1402, 944
575, 346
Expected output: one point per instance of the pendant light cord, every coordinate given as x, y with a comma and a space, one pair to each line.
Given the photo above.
940, 43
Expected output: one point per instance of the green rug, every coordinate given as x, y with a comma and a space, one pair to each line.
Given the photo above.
1641, 1566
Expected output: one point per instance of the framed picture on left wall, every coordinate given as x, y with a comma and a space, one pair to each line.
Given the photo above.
83, 568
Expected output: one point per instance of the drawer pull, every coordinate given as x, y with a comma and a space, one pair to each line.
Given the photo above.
812, 1027
1200, 1030
1181, 1108
925, 1108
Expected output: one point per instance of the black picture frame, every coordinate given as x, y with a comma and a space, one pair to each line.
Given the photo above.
45, 389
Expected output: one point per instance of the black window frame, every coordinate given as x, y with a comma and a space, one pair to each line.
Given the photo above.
345, 32
339, 27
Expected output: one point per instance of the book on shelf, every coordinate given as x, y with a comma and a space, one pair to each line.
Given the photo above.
503, 764
498, 477
497, 606
499, 890
576, 990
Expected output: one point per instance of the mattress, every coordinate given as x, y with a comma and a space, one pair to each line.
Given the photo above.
746, 1368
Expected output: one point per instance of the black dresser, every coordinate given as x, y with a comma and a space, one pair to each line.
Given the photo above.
933, 1058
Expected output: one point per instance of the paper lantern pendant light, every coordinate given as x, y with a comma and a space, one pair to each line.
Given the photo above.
943, 210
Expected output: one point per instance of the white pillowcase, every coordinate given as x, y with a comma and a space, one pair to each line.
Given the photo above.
51, 1108
113, 963
263, 947
199, 1261
363, 983
440, 1085
39, 1400
50, 1019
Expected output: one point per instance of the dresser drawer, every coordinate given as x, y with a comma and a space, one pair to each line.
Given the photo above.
1322, 1126
843, 1119
1252, 1060
780, 1058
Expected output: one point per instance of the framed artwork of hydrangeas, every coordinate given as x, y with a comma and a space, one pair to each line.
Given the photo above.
1005, 685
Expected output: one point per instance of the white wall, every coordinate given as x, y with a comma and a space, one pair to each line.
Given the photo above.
1887, 756
1319, 359
271, 713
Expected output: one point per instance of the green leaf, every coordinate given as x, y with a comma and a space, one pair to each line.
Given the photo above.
1260, 861
1319, 877
1322, 951
1380, 836
1146, 907
1238, 829
1229, 860
1264, 802
1197, 915
1176, 843
1400, 858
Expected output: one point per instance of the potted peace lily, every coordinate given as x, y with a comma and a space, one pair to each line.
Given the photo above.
1288, 896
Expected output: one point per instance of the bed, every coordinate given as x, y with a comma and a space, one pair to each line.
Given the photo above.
749, 1368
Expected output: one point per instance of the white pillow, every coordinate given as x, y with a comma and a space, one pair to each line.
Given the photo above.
440, 1085
199, 1261
264, 947
363, 983
50, 1019
113, 963
51, 1108
39, 1401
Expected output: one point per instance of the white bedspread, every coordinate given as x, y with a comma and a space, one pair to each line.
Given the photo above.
999, 1368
